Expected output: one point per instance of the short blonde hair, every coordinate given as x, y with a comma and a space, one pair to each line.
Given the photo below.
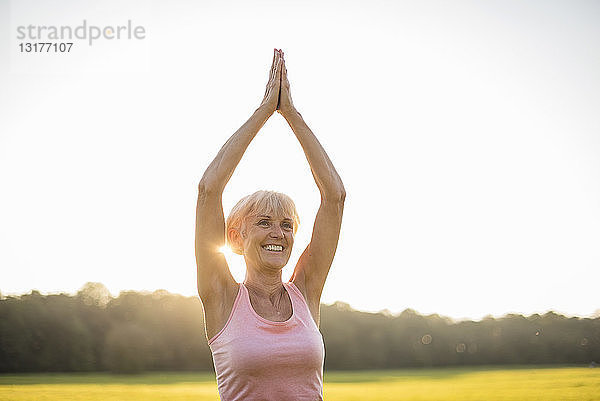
260, 202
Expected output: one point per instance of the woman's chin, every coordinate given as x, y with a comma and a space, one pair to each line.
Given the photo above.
275, 262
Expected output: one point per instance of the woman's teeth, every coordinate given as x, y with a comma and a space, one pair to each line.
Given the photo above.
276, 248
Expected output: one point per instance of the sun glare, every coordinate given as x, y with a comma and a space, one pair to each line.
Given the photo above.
225, 250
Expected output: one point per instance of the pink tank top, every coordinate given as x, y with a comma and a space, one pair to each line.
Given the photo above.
258, 359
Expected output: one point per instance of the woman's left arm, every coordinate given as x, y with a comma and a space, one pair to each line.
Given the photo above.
313, 266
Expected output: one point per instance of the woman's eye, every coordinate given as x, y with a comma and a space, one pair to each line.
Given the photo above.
263, 223
288, 226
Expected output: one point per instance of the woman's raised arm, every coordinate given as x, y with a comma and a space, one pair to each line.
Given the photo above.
213, 272
314, 263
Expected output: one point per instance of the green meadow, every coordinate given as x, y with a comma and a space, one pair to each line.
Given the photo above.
482, 384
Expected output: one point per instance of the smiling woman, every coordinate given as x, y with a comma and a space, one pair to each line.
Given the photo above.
263, 333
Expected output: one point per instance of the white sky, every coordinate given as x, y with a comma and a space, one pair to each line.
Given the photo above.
467, 135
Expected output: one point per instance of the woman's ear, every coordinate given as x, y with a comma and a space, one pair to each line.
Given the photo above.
235, 240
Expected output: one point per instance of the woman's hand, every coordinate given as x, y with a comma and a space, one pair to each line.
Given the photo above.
285, 98
270, 100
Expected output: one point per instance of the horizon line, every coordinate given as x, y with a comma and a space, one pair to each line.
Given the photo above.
384, 311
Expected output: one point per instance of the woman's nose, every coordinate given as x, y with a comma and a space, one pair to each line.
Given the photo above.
277, 232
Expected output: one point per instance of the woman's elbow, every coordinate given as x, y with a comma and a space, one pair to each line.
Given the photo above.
340, 192
337, 194
208, 185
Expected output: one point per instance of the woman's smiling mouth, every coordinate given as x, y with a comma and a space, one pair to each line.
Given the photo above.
273, 248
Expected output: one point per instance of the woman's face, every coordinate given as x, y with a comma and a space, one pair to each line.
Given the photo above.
268, 240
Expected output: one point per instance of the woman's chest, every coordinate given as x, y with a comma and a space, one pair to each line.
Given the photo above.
274, 313
263, 348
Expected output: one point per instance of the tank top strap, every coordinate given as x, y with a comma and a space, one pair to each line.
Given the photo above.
246, 308
301, 309
295, 293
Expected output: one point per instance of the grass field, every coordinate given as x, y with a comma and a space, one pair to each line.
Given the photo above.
464, 384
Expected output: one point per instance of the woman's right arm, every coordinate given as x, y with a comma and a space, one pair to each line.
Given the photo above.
213, 272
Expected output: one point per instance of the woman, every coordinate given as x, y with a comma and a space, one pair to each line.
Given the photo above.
263, 333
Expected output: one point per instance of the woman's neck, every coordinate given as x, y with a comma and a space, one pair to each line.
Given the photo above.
267, 285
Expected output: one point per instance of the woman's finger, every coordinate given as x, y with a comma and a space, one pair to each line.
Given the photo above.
273, 80
273, 65
284, 78
276, 58
279, 66
283, 72
273, 84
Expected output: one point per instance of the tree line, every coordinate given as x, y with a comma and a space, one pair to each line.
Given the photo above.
135, 332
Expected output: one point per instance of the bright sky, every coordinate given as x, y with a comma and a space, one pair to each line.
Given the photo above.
467, 135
